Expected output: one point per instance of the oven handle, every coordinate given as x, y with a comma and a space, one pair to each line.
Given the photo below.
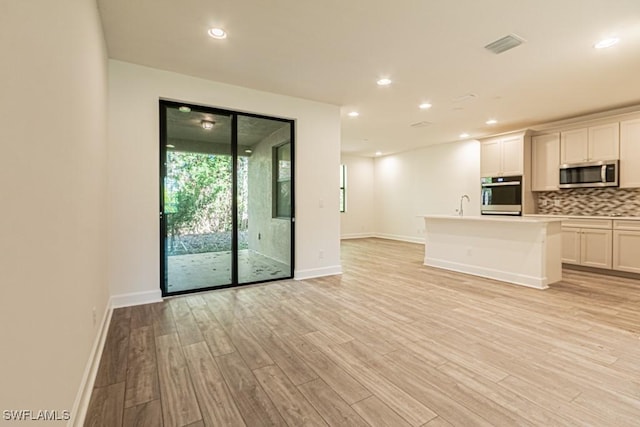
603, 173
501, 184
500, 213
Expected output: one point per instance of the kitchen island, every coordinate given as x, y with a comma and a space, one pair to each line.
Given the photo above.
521, 250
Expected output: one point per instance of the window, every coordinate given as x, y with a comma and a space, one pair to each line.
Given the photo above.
343, 194
282, 181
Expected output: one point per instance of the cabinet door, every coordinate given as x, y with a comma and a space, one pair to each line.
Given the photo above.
570, 245
574, 146
490, 158
512, 156
626, 250
604, 142
595, 248
545, 150
630, 154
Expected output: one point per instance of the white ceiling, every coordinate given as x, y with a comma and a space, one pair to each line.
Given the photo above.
333, 51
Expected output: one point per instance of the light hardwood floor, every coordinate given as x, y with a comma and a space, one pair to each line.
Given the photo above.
389, 343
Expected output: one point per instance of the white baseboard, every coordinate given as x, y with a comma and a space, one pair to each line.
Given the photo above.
410, 239
357, 236
317, 272
490, 273
136, 298
81, 404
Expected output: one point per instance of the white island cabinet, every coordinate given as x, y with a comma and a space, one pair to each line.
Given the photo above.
521, 250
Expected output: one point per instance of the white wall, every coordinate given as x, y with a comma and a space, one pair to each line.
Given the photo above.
53, 217
358, 219
430, 180
133, 170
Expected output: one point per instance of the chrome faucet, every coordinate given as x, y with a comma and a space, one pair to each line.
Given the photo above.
461, 211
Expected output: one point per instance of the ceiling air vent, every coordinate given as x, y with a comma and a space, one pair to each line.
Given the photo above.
420, 124
505, 43
464, 98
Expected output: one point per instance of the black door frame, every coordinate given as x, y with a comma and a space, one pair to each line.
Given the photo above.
163, 105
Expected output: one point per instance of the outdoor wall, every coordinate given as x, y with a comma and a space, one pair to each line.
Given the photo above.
358, 219
267, 235
53, 256
134, 239
430, 180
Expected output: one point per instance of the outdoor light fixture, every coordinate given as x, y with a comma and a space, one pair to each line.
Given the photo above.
207, 124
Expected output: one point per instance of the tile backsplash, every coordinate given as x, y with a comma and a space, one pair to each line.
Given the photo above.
590, 201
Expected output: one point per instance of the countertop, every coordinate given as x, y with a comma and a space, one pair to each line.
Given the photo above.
531, 219
632, 218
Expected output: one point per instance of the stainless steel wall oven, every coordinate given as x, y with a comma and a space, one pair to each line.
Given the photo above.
502, 195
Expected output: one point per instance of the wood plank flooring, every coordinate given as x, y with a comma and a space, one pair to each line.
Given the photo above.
389, 343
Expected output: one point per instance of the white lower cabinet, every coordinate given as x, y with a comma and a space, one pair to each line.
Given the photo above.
595, 248
587, 242
584, 246
570, 245
626, 246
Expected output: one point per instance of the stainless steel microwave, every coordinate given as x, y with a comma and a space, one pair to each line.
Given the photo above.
602, 173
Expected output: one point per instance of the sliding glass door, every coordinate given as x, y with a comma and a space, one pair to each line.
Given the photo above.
266, 196
226, 198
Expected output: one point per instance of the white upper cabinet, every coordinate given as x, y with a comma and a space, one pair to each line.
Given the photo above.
630, 154
590, 144
604, 142
490, 157
574, 146
512, 155
502, 156
545, 159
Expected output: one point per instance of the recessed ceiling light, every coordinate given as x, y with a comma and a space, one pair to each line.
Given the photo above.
425, 106
248, 151
354, 114
491, 122
217, 33
184, 109
171, 146
605, 43
378, 153
207, 124
384, 82
464, 135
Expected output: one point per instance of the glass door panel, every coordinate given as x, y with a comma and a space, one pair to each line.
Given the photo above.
265, 194
197, 198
